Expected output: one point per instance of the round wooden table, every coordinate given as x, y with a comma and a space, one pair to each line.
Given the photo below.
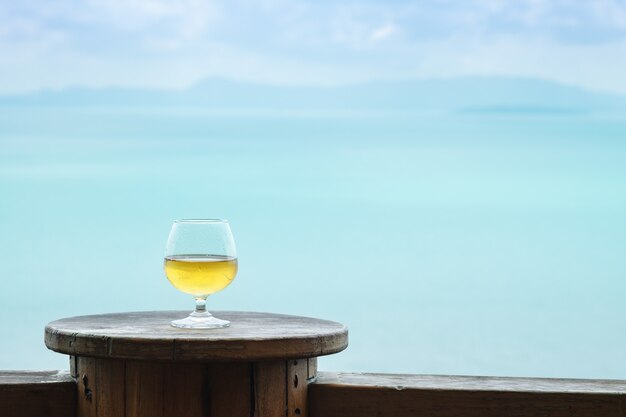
137, 364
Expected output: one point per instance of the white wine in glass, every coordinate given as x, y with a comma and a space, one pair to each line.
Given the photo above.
200, 260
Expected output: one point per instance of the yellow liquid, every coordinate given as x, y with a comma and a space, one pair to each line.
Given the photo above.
200, 275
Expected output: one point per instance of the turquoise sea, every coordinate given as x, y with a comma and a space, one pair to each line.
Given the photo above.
486, 243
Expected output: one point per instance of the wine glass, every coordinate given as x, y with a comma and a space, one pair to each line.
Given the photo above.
200, 259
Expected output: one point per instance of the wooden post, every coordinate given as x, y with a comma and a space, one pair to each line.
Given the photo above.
137, 365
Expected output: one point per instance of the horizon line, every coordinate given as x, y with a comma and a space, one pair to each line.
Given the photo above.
315, 86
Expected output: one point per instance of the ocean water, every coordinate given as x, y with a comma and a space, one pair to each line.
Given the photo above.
449, 243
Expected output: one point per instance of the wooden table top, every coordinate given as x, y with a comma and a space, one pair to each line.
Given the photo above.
149, 336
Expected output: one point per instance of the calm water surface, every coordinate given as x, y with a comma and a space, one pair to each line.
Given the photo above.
448, 243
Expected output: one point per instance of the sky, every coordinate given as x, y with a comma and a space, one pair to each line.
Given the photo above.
174, 44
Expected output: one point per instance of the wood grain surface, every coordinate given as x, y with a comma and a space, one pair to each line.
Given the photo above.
129, 388
297, 382
388, 395
270, 389
149, 336
37, 393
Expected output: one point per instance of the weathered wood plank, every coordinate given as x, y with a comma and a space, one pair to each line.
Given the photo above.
229, 389
73, 369
482, 383
381, 395
312, 368
144, 389
86, 395
37, 393
297, 380
270, 389
149, 336
110, 388
23, 379
185, 391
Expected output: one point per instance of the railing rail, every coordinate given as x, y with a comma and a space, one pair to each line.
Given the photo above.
53, 394
387, 395
37, 394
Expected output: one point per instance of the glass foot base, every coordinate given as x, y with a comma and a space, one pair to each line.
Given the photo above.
200, 321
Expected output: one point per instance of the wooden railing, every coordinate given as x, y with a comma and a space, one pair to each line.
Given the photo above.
386, 395
37, 394
53, 394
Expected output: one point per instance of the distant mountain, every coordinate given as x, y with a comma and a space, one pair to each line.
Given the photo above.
470, 94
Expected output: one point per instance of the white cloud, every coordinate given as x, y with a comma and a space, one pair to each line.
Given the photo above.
171, 44
611, 12
384, 32
596, 67
139, 13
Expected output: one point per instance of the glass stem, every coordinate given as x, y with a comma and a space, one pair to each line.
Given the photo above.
201, 307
